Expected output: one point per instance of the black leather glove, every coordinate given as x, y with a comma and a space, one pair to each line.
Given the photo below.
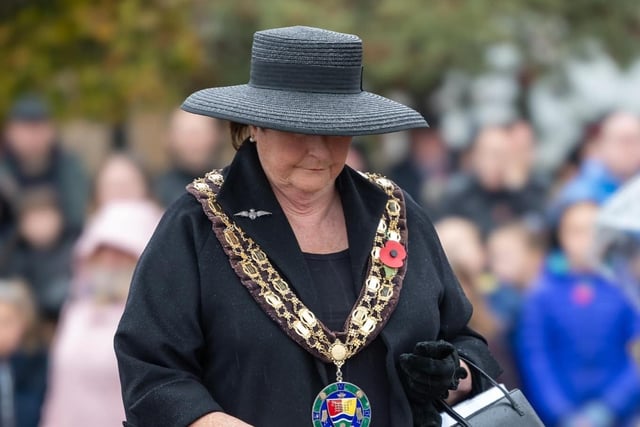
427, 375
426, 415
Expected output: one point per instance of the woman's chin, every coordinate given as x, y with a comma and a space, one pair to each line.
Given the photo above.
311, 187
312, 181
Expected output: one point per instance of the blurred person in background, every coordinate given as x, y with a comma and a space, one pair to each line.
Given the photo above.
619, 239
462, 243
463, 247
521, 173
193, 145
582, 151
515, 254
614, 157
84, 388
482, 319
8, 230
576, 333
120, 177
42, 254
34, 158
425, 171
499, 186
23, 362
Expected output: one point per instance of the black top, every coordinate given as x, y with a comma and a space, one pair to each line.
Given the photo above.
336, 294
192, 339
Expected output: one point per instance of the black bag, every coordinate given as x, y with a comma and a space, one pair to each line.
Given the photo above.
512, 410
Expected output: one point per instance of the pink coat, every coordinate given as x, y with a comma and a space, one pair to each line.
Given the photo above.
84, 389
84, 386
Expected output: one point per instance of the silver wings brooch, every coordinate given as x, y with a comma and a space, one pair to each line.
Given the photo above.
252, 214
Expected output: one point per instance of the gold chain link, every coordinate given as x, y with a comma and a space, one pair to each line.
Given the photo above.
276, 292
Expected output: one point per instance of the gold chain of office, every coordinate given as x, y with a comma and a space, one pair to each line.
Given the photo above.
274, 294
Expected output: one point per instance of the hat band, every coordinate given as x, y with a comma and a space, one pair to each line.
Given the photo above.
305, 77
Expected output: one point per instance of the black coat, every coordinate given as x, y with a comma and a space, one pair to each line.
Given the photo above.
192, 340
65, 175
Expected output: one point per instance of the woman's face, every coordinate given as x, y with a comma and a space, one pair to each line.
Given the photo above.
306, 163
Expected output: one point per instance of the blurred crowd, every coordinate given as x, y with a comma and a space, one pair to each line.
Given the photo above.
557, 305
535, 258
69, 244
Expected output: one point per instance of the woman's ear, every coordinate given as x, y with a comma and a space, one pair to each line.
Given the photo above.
253, 132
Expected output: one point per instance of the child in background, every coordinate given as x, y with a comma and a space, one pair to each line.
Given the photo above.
42, 256
515, 256
7, 228
462, 244
576, 334
23, 364
84, 389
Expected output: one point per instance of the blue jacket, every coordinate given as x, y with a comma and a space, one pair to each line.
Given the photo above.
593, 183
574, 346
594, 174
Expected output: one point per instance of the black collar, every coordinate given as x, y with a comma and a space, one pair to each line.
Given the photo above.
246, 187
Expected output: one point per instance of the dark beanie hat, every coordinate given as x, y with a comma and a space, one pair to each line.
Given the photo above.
29, 108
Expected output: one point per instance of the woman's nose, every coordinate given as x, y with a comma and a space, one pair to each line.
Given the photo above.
317, 145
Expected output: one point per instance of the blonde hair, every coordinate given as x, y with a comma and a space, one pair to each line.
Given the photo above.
239, 133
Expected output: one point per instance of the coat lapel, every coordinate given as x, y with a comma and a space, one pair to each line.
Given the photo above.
363, 204
246, 187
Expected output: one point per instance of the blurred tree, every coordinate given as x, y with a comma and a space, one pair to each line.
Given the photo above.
102, 57
98, 58
407, 43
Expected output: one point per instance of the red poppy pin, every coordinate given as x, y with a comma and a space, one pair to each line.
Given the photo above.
392, 254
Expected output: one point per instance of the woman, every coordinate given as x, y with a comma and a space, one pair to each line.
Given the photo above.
321, 296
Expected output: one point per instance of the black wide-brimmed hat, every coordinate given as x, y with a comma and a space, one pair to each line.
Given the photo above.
305, 80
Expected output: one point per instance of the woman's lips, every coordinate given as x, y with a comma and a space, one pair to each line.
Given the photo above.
314, 169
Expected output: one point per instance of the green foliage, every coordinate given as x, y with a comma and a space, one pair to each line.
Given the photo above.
407, 43
103, 57
99, 58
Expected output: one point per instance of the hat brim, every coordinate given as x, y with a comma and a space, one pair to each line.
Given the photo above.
362, 113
